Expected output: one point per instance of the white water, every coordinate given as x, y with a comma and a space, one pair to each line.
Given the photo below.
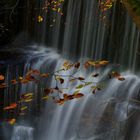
22, 133
103, 116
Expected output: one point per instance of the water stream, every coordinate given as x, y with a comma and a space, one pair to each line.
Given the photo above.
111, 114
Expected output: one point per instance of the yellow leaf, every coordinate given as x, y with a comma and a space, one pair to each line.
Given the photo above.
28, 100
39, 18
80, 86
45, 97
23, 108
103, 62
12, 121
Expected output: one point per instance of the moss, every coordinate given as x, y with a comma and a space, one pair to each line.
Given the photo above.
135, 5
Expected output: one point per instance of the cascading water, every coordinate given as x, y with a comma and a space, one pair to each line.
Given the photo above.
110, 114
22, 133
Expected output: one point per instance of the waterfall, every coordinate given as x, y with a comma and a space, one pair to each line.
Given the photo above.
104, 115
22, 133
85, 35
110, 114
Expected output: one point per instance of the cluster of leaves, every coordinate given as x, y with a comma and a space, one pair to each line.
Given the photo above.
57, 93
104, 6
54, 6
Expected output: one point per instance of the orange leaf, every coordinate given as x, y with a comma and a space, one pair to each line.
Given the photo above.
14, 81
36, 72
45, 75
115, 74
11, 106
78, 95
103, 62
1, 77
24, 81
121, 78
3, 85
60, 101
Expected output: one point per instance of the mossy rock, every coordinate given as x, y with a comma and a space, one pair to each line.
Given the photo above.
133, 8
135, 5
